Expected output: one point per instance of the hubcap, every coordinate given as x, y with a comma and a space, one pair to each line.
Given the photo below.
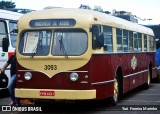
115, 90
148, 78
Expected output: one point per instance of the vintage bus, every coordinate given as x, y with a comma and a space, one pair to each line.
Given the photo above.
8, 30
80, 54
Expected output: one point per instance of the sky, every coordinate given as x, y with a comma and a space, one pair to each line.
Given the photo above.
144, 9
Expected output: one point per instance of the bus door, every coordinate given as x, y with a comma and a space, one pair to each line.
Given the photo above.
8, 30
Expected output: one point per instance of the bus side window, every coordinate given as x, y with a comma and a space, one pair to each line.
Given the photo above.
125, 40
145, 42
139, 42
130, 41
13, 33
119, 39
135, 41
151, 43
3, 31
97, 37
108, 43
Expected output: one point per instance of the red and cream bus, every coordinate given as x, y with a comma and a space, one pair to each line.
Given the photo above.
8, 28
79, 54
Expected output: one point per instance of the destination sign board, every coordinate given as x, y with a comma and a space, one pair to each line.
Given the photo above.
52, 23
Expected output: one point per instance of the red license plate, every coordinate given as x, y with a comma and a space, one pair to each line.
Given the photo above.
47, 93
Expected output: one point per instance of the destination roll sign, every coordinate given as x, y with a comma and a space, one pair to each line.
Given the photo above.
52, 23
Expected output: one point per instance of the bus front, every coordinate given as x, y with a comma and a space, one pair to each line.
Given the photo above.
54, 49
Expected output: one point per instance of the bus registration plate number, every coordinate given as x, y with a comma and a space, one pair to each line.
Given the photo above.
47, 93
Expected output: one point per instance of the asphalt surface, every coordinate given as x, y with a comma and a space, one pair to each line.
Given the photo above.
138, 101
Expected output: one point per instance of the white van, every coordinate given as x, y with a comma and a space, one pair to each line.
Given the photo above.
8, 30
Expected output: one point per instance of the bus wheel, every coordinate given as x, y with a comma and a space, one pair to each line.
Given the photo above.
147, 84
115, 97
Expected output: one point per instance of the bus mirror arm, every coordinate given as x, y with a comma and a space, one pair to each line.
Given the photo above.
14, 31
5, 44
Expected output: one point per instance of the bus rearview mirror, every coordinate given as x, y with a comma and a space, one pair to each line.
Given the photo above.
100, 40
5, 44
98, 36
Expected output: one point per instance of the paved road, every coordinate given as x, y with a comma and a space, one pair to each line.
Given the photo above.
138, 101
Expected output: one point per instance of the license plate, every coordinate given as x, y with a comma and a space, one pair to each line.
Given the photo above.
47, 93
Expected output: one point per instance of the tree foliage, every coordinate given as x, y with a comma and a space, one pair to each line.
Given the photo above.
7, 5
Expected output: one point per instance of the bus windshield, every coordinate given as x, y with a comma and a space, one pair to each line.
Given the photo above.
35, 43
65, 43
69, 42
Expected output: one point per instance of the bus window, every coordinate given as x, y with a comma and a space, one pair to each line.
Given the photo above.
139, 42
119, 39
13, 35
3, 31
69, 42
151, 43
145, 42
131, 41
135, 41
96, 30
125, 40
108, 44
35, 43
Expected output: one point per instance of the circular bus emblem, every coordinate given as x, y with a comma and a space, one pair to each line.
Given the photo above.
133, 62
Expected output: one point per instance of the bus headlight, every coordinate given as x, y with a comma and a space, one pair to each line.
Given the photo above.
27, 76
74, 76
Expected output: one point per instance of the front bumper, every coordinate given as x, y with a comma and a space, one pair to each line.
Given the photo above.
55, 94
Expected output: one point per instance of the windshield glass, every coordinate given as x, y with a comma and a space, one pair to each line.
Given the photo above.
69, 42
13, 34
35, 43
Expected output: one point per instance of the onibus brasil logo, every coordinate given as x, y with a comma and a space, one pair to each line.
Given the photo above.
3, 54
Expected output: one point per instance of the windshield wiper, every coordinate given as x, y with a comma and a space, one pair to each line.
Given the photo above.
34, 50
39, 43
62, 47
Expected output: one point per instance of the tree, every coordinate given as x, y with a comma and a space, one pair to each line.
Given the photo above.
7, 5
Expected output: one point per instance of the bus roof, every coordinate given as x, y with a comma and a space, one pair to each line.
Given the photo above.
9, 15
85, 18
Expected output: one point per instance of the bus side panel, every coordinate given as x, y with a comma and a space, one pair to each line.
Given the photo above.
152, 56
102, 72
126, 86
104, 67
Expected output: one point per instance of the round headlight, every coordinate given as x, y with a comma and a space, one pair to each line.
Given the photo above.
74, 76
27, 76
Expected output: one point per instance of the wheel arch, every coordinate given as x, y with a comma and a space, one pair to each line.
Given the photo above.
119, 75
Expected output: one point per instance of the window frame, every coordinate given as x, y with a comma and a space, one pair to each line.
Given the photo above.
130, 43
32, 54
145, 43
14, 34
151, 41
69, 30
117, 38
5, 34
126, 37
110, 34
